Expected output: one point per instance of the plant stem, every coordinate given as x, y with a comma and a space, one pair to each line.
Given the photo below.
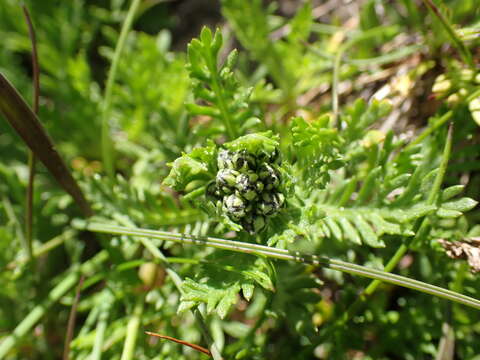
132, 330
437, 124
214, 352
71, 321
283, 254
31, 155
55, 294
107, 144
44, 248
101, 325
217, 89
462, 49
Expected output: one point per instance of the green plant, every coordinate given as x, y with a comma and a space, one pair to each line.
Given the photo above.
298, 197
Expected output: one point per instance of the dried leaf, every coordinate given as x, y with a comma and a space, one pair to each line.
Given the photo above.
468, 249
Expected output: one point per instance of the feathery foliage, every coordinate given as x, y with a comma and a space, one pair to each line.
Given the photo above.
322, 140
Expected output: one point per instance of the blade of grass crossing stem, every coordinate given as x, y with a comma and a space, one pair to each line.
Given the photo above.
420, 233
107, 143
26, 325
19, 115
31, 155
282, 254
132, 330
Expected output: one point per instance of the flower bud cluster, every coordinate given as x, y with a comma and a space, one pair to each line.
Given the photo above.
247, 188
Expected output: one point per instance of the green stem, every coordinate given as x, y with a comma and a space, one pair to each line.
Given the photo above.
283, 254
44, 248
437, 124
31, 155
336, 74
217, 89
107, 144
102, 326
206, 335
132, 330
55, 294
462, 49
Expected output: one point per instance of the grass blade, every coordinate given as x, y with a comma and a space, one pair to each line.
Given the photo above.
19, 115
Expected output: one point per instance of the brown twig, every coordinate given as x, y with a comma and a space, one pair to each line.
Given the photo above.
193, 346
71, 320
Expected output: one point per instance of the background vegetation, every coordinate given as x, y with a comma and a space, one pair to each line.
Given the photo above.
360, 94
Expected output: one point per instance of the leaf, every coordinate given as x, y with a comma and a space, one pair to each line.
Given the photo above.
451, 192
257, 143
216, 86
199, 164
220, 279
462, 205
27, 125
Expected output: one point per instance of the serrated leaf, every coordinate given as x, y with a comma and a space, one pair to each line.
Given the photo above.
185, 170
350, 231
220, 279
427, 182
336, 231
368, 185
368, 235
185, 305
257, 143
199, 165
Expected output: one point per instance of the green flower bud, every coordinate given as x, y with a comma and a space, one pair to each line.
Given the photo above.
259, 185
246, 185
234, 206
226, 178
266, 208
271, 158
270, 176
243, 161
271, 203
224, 159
